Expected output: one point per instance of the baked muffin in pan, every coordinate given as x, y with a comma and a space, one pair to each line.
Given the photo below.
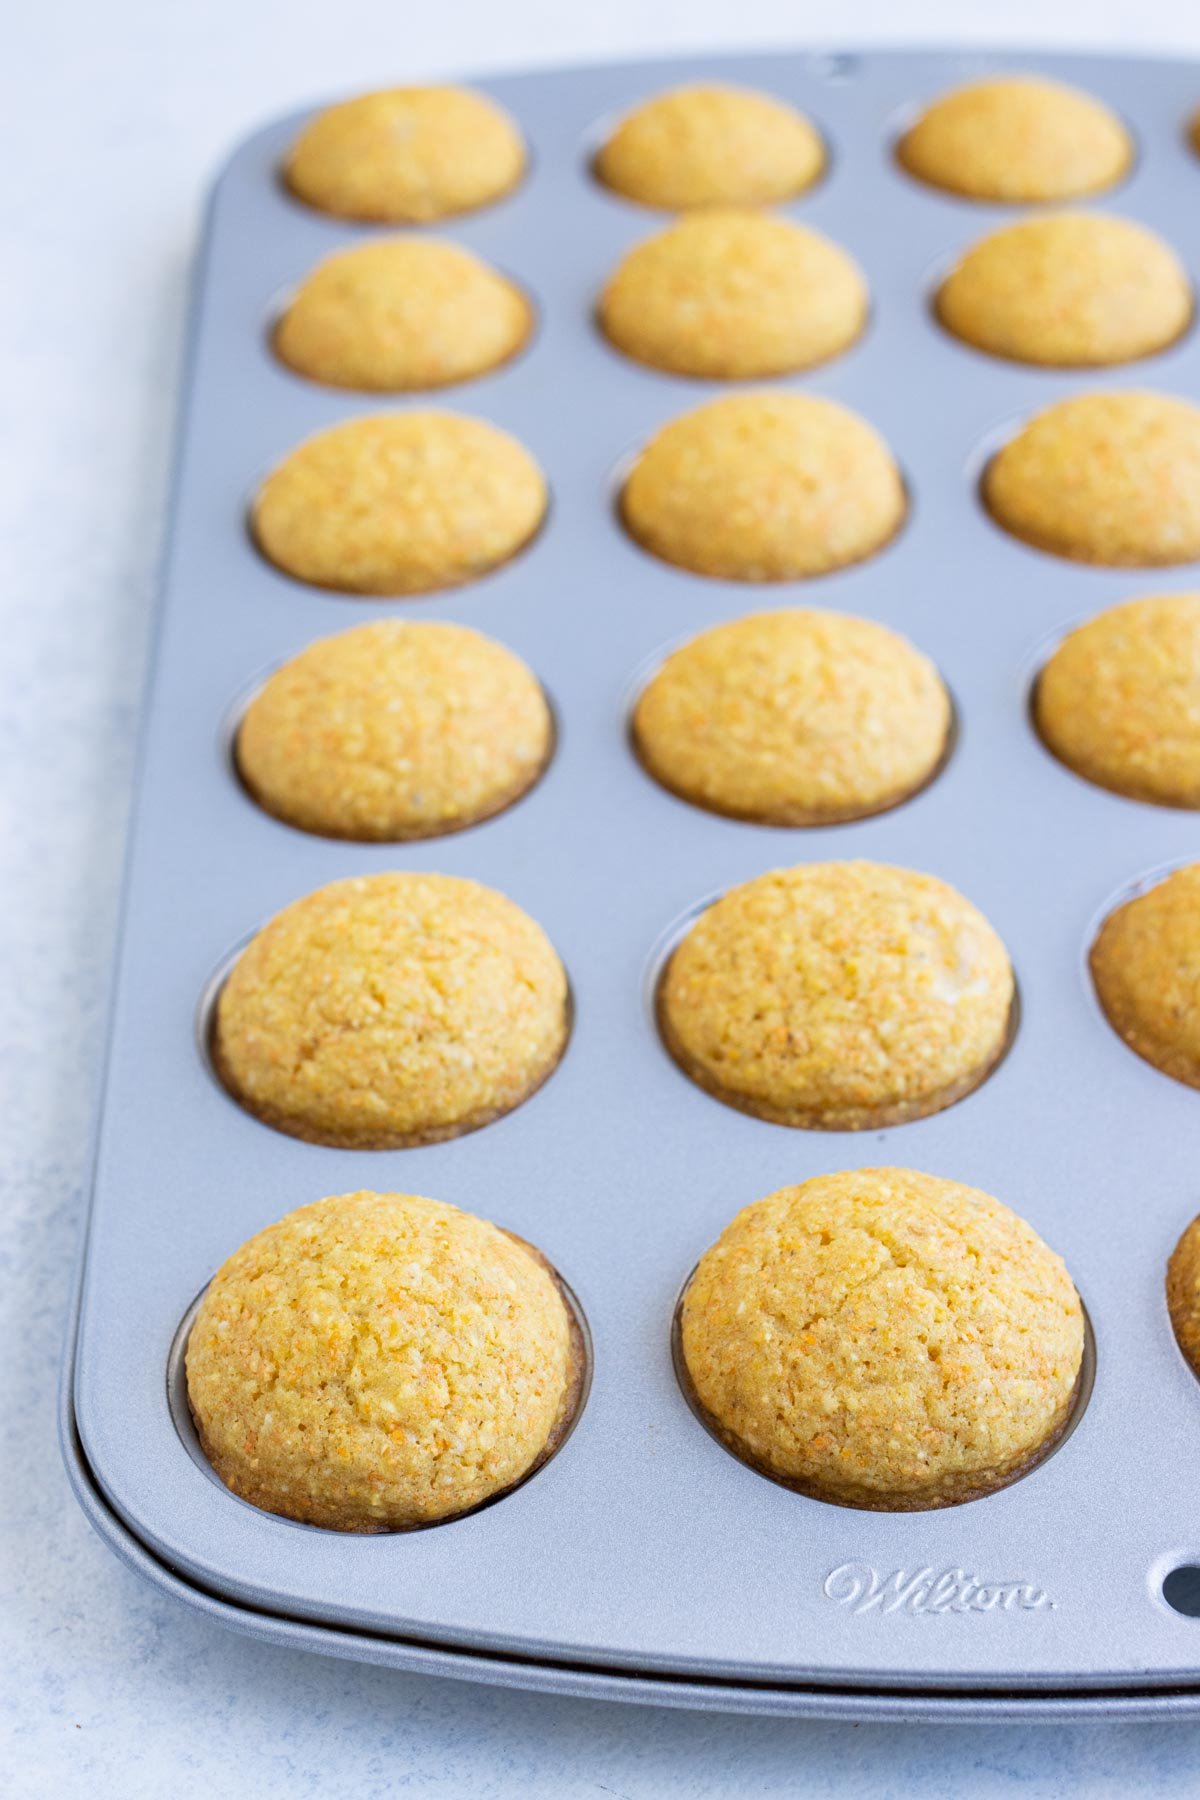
375, 1362
399, 503
394, 730
402, 315
883, 1338
794, 717
764, 487
389, 1010
711, 145
734, 295
406, 155
1145, 963
839, 996
1017, 138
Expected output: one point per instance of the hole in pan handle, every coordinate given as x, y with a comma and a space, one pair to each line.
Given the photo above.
1181, 1590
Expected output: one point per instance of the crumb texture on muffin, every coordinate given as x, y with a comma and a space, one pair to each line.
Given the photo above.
379, 1361
764, 487
398, 729
401, 315
731, 295
406, 156
884, 1339
401, 503
1119, 700
1069, 290
393, 1009
838, 996
1146, 966
1183, 1294
711, 146
1105, 478
795, 717
1017, 138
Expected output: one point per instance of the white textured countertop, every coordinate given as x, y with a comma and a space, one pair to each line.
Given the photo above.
114, 117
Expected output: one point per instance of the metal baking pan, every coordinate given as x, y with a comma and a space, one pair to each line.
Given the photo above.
644, 1561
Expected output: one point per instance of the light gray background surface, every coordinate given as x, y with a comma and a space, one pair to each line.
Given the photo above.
113, 118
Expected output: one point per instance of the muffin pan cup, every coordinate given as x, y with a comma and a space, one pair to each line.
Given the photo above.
644, 1561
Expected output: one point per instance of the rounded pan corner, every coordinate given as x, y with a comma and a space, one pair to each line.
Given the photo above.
257, 150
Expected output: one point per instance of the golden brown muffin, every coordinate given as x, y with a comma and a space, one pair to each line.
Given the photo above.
794, 718
1119, 700
1183, 1294
390, 1010
884, 1339
402, 503
1194, 133
1072, 290
764, 487
1017, 138
838, 997
395, 730
404, 314
378, 1361
1146, 966
1107, 478
406, 155
734, 295
711, 146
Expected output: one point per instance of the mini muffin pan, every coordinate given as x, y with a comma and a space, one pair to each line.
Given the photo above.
644, 1561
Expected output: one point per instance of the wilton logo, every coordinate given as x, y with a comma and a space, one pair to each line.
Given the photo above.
863, 1589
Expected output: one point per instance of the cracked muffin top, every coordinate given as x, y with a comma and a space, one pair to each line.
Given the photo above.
884, 1339
378, 1361
389, 1010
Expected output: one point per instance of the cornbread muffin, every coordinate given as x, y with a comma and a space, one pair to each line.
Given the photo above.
406, 313
734, 295
395, 730
764, 487
377, 1361
711, 146
402, 503
1146, 966
390, 1010
884, 1339
1015, 139
1071, 290
1119, 700
1107, 478
794, 718
1183, 1294
406, 156
838, 996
